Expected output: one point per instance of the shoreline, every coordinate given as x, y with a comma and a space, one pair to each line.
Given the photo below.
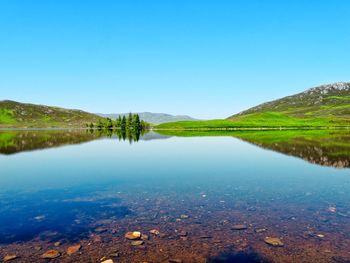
188, 129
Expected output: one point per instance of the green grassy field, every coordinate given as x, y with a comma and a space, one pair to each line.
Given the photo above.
262, 120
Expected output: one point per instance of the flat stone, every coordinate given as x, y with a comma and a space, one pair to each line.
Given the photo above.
73, 249
154, 232
273, 241
184, 216
239, 227
137, 243
51, 254
133, 235
175, 260
260, 230
10, 257
107, 261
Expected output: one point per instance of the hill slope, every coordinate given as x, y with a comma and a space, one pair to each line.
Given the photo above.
331, 100
155, 118
21, 115
324, 106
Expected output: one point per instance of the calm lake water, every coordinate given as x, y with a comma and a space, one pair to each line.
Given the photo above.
213, 196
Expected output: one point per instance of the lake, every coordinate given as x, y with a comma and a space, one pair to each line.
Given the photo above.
252, 196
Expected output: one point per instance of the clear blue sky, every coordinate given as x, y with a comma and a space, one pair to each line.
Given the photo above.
208, 59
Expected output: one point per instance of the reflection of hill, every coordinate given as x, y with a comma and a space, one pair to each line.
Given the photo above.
328, 148
19, 141
323, 147
16, 141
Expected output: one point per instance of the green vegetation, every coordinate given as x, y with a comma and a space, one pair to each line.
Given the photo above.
6, 116
268, 120
131, 123
325, 106
21, 115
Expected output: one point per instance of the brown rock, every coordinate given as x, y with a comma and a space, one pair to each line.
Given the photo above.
133, 235
137, 243
73, 249
273, 241
10, 257
51, 254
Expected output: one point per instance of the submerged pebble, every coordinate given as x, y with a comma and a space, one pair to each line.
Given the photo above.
133, 235
239, 227
73, 249
137, 243
50, 254
260, 230
332, 209
9, 257
154, 232
273, 241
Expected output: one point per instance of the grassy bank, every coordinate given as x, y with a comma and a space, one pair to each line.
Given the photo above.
264, 120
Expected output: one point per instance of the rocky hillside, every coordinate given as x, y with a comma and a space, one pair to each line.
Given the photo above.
331, 100
23, 115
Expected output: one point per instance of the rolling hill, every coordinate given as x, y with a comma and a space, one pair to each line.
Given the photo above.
150, 117
23, 115
324, 101
323, 106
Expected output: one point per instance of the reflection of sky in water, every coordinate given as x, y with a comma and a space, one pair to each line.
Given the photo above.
213, 165
183, 159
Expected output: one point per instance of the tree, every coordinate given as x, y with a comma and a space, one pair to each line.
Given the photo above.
136, 122
119, 121
123, 123
109, 124
129, 121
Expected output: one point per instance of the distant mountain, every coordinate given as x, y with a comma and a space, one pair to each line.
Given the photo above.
155, 118
25, 115
327, 101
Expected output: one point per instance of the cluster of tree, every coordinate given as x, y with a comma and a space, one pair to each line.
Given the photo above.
131, 122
